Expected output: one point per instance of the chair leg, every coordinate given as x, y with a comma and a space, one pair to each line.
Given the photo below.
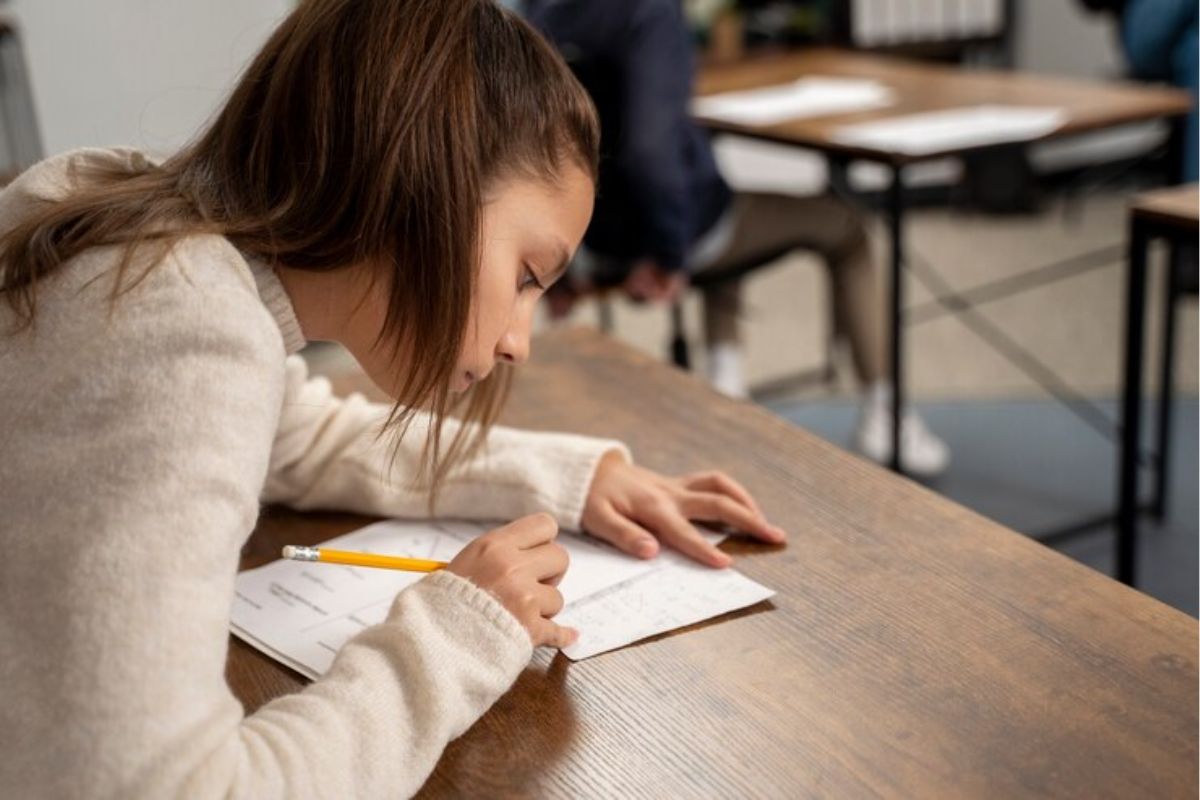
604, 308
1166, 389
679, 345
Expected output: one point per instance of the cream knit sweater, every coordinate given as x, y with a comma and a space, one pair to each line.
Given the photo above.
135, 449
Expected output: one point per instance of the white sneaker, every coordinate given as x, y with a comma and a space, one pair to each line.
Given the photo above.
724, 367
922, 453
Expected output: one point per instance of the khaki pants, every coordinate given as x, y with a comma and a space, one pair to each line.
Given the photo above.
766, 223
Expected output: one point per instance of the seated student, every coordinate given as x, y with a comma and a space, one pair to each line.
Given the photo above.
1161, 40
410, 196
663, 209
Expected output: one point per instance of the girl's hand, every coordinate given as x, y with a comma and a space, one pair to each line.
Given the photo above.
520, 565
633, 508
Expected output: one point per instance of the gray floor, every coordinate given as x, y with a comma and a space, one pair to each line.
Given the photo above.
1031, 465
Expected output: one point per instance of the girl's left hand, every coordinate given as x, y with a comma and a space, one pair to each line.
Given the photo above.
633, 508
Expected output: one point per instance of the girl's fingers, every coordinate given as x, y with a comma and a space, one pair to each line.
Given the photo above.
549, 634
720, 483
680, 534
550, 600
614, 527
547, 563
531, 531
719, 508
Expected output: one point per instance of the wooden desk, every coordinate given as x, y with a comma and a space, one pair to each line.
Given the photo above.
1174, 216
1175, 207
914, 648
921, 87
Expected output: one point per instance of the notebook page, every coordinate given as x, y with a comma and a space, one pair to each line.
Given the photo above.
677, 593
301, 613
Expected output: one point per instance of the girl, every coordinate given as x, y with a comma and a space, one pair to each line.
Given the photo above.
401, 176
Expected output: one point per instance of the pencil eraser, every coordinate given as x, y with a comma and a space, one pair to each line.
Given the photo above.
289, 551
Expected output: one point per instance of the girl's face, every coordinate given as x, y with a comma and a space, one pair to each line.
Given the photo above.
529, 230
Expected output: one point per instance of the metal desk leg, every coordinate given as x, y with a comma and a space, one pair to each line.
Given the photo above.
1166, 388
679, 344
1131, 406
896, 209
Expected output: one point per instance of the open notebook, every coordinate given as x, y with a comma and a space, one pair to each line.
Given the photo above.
301, 613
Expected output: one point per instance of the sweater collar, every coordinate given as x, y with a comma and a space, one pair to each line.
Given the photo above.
275, 298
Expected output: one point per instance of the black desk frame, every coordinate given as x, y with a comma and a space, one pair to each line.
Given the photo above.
1143, 230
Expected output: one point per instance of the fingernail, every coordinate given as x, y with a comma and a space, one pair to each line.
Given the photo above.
647, 547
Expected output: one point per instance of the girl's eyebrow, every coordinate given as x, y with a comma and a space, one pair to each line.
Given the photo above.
564, 260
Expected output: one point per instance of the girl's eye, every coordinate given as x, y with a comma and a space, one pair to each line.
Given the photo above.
530, 280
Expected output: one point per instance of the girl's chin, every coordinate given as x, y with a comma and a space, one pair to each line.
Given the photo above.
464, 382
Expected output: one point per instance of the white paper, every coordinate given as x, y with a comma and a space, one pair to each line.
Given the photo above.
301, 613
678, 592
955, 129
807, 97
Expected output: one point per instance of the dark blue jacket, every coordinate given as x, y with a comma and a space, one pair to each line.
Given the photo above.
659, 185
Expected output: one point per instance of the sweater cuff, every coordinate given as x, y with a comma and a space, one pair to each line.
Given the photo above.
577, 477
457, 599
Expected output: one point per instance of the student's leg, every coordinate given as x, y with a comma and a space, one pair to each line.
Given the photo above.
858, 301
1186, 67
1150, 30
1160, 41
770, 223
722, 337
765, 224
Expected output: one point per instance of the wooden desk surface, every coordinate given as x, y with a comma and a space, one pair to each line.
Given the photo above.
920, 87
914, 648
1178, 206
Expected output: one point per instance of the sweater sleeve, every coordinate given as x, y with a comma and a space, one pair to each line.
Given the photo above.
376, 723
329, 454
141, 479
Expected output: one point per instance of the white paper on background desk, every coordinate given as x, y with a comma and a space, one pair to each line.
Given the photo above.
808, 97
958, 128
301, 613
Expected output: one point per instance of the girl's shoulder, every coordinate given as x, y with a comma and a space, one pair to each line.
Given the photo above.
199, 261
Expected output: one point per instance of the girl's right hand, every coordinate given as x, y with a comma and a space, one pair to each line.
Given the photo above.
520, 565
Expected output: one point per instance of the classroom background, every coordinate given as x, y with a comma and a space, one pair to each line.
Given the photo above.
1024, 389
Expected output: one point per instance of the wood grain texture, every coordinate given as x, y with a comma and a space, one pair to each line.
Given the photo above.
921, 87
1176, 206
914, 649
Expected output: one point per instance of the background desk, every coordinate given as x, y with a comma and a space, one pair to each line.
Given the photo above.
1174, 215
922, 87
914, 648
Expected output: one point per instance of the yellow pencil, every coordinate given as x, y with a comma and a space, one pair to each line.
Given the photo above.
299, 553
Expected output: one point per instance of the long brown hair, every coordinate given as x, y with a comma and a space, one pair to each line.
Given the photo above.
364, 132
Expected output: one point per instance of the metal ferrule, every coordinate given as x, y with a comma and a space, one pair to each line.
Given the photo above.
305, 553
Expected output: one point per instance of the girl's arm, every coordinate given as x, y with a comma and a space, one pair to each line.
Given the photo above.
133, 481
328, 455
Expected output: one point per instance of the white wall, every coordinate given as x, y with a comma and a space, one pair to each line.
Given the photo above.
146, 73
1059, 37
